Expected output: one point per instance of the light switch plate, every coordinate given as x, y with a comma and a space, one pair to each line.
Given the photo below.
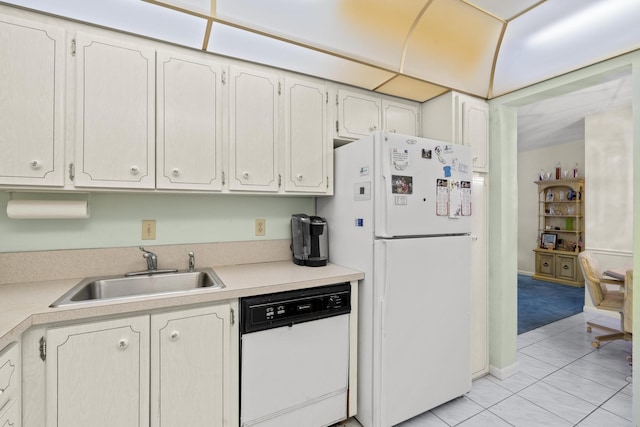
148, 229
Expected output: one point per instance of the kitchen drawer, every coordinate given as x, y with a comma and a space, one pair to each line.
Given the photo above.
545, 264
10, 415
9, 373
566, 267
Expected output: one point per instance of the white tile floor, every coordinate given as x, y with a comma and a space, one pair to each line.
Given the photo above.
563, 381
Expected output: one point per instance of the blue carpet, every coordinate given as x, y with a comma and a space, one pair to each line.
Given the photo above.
541, 303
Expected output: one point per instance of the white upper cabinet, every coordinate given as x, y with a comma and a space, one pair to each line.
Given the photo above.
189, 118
32, 70
400, 118
475, 131
358, 115
115, 113
253, 130
308, 148
459, 119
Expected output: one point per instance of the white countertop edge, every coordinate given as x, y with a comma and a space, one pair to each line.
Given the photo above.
27, 304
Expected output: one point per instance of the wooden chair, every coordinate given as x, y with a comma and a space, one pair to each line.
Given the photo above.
603, 298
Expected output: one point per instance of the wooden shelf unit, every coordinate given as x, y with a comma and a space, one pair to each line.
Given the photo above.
560, 212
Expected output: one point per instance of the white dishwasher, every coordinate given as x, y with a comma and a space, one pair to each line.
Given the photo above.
295, 357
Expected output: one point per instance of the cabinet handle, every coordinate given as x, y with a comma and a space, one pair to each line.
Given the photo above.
565, 267
174, 335
123, 343
299, 176
134, 170
35, 164
175, 172
245, 175
546, 264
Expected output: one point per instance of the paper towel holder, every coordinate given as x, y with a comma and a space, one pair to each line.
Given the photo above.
47, 208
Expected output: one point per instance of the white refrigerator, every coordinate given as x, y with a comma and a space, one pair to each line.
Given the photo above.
401, 213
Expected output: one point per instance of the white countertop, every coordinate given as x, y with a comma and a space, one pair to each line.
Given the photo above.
23, 305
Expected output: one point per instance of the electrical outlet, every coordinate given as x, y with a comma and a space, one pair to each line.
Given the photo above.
148, 229
261, 225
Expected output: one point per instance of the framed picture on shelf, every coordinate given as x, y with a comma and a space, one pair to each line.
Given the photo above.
549, 196
548, 241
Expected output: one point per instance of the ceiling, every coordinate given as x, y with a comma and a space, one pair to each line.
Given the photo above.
414, 49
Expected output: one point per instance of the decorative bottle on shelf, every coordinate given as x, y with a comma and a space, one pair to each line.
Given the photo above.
575, 171
558, 168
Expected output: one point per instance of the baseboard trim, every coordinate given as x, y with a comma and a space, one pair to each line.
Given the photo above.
506, 372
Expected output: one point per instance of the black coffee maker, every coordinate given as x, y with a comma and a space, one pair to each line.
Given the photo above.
309, 240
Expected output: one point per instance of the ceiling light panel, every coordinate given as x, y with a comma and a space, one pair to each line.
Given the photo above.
410, 88
131, 16
562, 36
504, 9
253, 47
371, 30
453, 45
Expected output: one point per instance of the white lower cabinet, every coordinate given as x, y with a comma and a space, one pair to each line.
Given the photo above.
174, 368
10, 386
191, 368
97, 374
10, 415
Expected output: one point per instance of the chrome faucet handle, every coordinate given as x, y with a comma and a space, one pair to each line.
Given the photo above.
152, 259
192, 261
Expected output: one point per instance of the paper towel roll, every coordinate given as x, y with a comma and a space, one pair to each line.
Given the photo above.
47, 209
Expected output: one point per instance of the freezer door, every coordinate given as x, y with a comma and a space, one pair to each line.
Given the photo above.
422, 186
422, 289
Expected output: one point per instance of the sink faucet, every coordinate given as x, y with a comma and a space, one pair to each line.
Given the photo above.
152, 259
192, 261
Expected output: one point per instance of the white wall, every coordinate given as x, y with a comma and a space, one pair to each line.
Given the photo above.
529, 165
180, 218
609, 187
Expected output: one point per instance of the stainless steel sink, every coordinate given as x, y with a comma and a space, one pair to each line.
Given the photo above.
96, 289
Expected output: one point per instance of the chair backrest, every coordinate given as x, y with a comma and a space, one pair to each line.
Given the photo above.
591, 272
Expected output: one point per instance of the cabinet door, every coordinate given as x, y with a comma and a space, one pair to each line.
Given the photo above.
189, 123
10, 415
566, 267
545, 264
115, 114
308, 149
475, 132
479, 286
358, 114
190, 365
400, 118
31, 103
253, 133
98, 374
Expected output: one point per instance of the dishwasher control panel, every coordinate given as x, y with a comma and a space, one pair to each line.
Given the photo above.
288, 308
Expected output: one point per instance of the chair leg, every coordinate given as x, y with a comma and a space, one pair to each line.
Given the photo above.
615, 335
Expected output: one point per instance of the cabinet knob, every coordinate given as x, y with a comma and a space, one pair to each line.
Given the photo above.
372, 128
134, 170
565, 267
245, 175
546, 264
123, 343
175, 172
35, 164
174, 335
300, 177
